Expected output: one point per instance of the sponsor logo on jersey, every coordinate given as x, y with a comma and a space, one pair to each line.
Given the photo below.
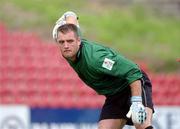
108, 64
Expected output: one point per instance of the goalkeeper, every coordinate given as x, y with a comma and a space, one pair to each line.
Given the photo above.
127, 89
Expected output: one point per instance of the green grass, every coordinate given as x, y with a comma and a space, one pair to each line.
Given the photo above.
135, 32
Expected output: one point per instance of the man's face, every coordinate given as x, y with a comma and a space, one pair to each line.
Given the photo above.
69, 44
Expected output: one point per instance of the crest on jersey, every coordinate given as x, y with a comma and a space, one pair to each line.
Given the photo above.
108, 64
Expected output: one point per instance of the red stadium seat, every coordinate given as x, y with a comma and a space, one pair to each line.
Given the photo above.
34, 73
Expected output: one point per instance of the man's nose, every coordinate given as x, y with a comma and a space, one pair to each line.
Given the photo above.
66, 45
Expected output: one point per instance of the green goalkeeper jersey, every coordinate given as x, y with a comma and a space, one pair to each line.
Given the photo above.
103, 69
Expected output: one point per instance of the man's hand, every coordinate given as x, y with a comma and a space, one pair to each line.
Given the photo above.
54, 32
64, 18
137, 110
67, 17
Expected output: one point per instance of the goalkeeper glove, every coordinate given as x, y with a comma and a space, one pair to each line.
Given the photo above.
137, 110
63, 20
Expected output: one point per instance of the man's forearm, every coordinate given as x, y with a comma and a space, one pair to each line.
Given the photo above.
137, 110
136, 88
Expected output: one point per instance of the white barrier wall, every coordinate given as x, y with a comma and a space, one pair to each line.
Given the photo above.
22, 117
14, 117
167, 118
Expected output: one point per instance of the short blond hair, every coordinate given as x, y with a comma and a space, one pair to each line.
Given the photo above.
69, 27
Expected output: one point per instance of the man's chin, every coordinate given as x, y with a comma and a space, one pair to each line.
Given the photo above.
67, 57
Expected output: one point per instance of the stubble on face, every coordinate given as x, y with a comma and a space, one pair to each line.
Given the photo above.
69, 45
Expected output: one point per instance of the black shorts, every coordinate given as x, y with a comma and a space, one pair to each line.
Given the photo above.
117, 106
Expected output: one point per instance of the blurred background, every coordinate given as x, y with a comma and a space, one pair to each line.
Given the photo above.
39, 90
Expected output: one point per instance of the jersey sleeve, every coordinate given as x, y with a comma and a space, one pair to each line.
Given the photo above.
112, 63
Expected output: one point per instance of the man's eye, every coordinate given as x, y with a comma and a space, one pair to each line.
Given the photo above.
70, 41
61, 42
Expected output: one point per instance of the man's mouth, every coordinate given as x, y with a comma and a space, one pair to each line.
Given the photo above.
67, 50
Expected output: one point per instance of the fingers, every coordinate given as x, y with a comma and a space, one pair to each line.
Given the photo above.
137, 113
